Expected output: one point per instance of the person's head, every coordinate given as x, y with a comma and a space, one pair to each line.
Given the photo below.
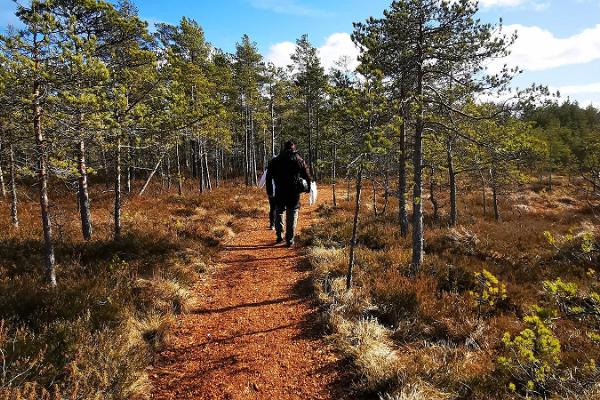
289, 146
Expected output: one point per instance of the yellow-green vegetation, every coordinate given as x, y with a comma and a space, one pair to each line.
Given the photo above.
489, 291
533, 357
497, 311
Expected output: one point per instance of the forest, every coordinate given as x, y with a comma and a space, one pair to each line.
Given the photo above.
458, 255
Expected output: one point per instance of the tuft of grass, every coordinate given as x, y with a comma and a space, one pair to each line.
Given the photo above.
443, 344
95, 335
154, 329
368, 345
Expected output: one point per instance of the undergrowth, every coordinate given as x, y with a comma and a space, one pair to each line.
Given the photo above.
499, 310
95, 334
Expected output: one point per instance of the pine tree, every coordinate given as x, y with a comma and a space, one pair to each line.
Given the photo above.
34, 50
311, 82
432, 42
248, 76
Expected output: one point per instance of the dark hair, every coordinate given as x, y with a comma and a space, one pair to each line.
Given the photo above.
289, 145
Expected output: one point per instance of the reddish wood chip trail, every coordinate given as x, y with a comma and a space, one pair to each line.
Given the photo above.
254, 333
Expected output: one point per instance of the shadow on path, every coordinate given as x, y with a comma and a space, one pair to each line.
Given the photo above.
246, 305
257, 333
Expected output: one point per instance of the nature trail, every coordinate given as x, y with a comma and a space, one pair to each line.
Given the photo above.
255, 333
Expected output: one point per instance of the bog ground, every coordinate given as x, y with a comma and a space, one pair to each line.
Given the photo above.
255, 331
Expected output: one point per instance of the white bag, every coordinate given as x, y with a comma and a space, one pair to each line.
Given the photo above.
312, 197
263, 180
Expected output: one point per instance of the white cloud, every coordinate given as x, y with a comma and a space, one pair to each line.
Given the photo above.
586, 94
540, 6
336, 46
501, 3
593, 88
537, 49
589, 102
291, 7
527, 4
280, 54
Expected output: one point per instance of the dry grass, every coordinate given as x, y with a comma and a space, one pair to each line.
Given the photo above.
421, 337
94, 336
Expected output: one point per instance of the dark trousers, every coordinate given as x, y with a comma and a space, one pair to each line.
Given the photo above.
290, 207
291, 221
272, 212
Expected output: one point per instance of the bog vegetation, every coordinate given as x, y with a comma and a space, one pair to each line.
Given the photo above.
460, 260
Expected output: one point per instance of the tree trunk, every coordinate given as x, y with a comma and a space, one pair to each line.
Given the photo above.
106, 169
193, 158
49, 257
84, 196
434, 202
200, 156
246, 146
349, 276
207, 170
129, 176
168, 170
272, 127
14, 215
254, 176
374, 187
402, 181
452, 176
334, 174
117, 190
186, 154
2, 184
217, 167
154, 170
316, 171
495, 194
483, 197
417, 233
179, 177
348, 181
310, 144
386, 190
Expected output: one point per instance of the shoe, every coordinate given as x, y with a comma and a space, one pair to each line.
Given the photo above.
290, 243
279, 240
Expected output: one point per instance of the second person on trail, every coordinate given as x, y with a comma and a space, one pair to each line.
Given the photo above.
290, 176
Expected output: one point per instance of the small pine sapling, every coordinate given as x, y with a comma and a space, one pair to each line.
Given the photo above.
532, 357
581, 246
574, 303
490, 291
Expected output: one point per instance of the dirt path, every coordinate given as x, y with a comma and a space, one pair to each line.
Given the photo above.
255, 333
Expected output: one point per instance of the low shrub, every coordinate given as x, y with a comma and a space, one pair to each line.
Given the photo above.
532, 358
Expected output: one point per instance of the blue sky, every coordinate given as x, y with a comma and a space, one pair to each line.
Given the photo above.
559, 41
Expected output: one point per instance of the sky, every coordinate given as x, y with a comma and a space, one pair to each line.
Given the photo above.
558, 44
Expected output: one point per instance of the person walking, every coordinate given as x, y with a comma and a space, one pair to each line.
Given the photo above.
289, 175
272, 204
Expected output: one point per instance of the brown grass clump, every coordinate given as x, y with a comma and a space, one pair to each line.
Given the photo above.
439, 334
94, 336
367, 343
162, 295
154, 328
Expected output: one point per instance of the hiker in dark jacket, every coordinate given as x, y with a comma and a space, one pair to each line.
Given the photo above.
284, 171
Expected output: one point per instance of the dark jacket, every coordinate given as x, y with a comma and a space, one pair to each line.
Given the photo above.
282, 170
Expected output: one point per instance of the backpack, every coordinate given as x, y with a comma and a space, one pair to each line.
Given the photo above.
300, 184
